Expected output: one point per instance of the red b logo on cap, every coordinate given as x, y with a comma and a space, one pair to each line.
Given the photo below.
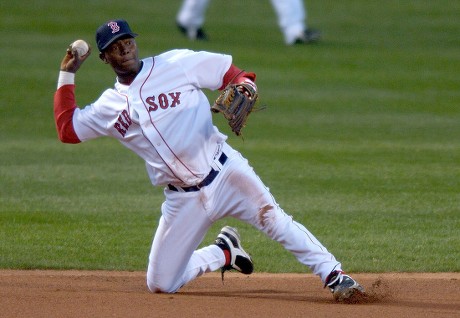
114, 26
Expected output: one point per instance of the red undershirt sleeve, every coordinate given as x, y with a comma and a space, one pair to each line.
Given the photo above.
235, 75
64, 107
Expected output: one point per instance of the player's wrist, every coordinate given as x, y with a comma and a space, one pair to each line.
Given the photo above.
65, 78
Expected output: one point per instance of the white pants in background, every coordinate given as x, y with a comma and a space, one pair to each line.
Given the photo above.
291, 16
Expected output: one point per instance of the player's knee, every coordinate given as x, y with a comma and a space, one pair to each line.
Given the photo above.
161, 287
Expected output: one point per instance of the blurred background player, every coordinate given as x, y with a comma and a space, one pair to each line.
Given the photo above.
291, 20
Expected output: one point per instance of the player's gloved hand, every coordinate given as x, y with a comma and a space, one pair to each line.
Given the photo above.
236, 102
72, 61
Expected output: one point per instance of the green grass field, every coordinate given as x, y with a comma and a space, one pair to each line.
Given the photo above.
360, 140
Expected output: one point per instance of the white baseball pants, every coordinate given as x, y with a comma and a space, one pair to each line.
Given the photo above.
236, 192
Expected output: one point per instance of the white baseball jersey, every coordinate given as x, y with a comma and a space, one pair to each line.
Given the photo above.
165, 92
165, 118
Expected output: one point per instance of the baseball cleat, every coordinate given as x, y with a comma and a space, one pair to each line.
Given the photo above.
344, 288
229, 240
193, 33
308, 36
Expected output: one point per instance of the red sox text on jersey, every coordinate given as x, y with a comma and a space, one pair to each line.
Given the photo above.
162, 101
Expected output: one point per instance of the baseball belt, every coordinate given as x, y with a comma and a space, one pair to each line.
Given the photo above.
206, 181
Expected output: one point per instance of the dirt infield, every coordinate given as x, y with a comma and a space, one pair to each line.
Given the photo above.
123, 294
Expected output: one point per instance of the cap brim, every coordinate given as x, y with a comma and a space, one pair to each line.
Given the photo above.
116, 38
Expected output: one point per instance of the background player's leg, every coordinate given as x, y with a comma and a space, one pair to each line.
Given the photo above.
291, 18
192, 13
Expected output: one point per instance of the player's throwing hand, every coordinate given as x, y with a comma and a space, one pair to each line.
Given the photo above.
72, 61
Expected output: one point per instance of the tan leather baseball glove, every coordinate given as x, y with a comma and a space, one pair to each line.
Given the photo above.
236, 102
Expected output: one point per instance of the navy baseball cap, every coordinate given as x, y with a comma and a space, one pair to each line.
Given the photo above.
111, 31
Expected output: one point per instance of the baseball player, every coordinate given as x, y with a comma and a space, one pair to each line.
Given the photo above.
291, 20
157, 109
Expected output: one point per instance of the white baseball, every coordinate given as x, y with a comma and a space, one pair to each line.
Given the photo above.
80, 46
